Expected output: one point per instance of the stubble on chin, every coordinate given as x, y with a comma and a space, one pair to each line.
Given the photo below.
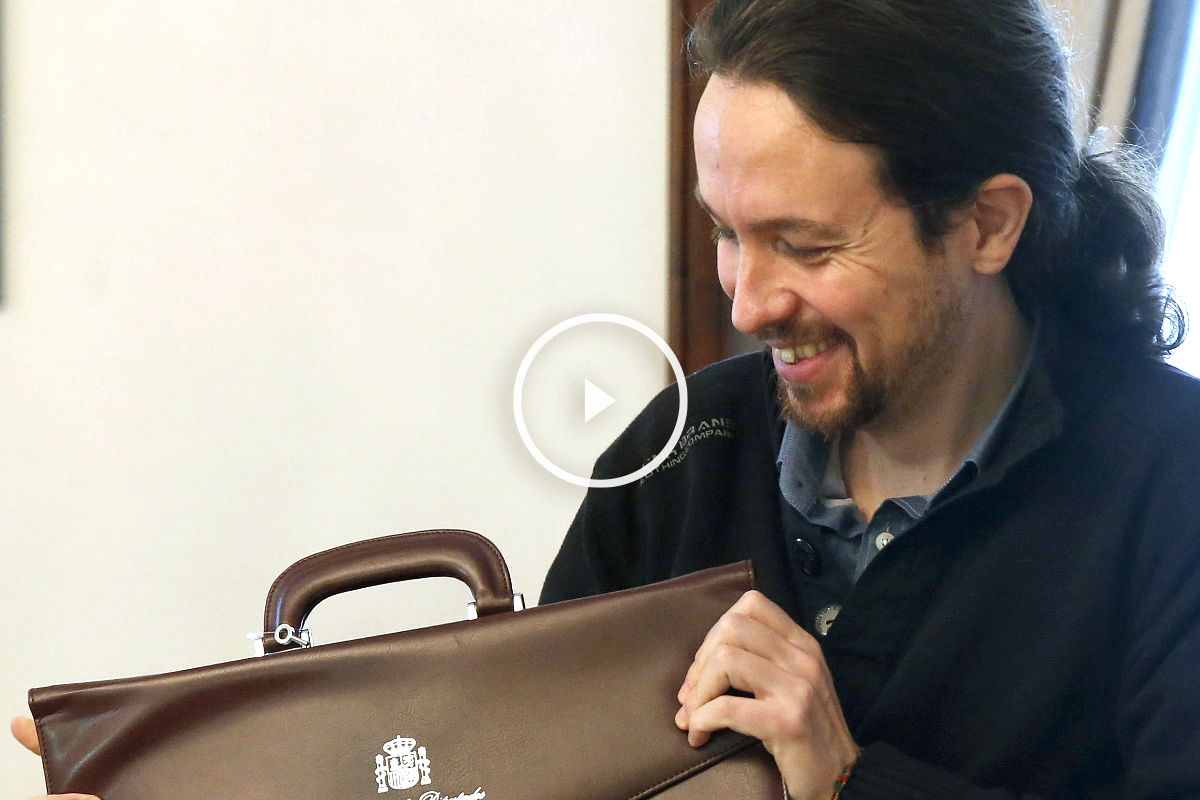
849, 407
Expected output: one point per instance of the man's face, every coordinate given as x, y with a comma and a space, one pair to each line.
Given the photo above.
821, 265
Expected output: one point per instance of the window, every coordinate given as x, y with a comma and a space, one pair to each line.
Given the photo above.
1179, 191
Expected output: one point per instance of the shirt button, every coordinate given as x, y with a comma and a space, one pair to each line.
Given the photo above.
807, 556
884, 539
825, 618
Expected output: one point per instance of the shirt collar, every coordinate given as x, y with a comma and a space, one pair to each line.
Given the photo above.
803, 461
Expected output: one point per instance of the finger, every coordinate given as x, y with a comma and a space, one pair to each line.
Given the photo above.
752, 605
736, 631
756, 606
741, 714
728, 668
804, 734
731, 667
727, 630
782, 708
741, 631
749, 634
25, 732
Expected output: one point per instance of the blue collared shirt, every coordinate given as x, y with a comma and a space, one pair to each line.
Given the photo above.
810, 479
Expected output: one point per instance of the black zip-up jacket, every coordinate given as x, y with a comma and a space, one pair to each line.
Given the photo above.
1035, 635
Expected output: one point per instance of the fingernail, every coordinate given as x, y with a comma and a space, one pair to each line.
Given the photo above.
681, 718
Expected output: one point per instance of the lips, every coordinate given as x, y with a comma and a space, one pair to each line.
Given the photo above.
798, 353
808, 363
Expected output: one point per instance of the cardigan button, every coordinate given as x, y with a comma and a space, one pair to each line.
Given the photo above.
825, 618
807, 556
884, 539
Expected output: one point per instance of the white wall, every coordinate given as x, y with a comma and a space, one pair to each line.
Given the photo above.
269, 270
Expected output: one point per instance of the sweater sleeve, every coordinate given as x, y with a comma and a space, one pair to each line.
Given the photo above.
885, 773
597, 554
601, 551
578, 570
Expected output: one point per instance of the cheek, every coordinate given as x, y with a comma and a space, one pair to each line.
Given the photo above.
859, 309
845, 296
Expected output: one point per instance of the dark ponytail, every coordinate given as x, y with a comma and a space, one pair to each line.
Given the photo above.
1108, 285
950, 93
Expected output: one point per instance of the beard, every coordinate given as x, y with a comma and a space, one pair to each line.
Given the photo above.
897, 385
862, 400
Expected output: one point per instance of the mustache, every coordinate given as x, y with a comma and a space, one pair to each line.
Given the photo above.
803, 334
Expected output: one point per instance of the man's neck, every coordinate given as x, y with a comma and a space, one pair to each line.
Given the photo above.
915, 451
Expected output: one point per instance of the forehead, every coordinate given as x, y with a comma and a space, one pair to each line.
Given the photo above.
758, 151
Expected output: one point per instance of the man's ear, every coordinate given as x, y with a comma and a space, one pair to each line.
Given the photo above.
999, 212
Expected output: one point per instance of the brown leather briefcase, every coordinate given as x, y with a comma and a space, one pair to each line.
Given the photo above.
570, 701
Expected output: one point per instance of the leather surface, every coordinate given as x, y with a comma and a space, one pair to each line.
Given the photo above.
571, 701
738, 776
405, 556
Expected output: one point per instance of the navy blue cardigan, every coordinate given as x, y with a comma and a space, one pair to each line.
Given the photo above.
1037, 635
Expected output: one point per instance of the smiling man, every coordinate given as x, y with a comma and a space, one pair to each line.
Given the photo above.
962, 471
868, 328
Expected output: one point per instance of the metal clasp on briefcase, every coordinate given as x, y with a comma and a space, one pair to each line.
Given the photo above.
284, 635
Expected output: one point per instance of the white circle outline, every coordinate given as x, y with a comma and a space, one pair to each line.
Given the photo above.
519, 388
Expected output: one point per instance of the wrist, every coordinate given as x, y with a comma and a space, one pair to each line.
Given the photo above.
843, 777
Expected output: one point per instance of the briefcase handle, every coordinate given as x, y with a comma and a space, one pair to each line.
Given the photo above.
404, 556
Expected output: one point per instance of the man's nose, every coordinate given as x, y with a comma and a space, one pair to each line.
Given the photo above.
762, 295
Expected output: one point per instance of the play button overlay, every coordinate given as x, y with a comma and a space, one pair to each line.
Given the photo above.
595, 400
581, 383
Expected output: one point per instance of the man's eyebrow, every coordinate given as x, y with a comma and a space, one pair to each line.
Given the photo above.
824, 230
704, 206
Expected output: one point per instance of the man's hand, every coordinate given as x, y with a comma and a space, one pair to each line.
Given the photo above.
24, 731
757, 648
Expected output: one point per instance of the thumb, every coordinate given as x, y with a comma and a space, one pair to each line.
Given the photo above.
23, 729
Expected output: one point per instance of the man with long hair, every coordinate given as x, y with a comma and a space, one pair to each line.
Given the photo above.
960, 466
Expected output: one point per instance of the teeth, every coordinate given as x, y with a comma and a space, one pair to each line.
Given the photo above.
792, 355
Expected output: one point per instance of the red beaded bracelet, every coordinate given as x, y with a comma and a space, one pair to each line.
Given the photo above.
844, 776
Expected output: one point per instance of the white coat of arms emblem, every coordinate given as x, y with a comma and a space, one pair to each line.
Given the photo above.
401, 767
